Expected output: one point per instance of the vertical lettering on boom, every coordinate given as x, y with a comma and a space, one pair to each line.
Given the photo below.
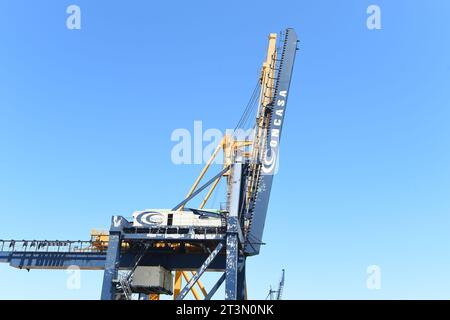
270, 160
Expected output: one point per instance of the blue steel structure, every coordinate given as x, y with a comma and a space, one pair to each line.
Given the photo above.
221, 249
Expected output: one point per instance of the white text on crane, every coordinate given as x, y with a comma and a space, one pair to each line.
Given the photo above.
270, 161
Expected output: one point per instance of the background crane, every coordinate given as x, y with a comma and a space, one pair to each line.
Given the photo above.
277, 294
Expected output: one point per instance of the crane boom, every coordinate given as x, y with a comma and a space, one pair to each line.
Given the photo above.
274, 114
281, 286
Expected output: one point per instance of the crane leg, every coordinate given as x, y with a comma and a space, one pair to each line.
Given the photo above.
241, 281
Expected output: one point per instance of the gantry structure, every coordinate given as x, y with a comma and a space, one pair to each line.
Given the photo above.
187, 242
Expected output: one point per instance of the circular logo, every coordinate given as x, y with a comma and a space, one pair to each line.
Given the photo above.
150, 218
269, 162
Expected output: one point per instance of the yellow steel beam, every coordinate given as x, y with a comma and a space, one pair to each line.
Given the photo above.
270, 63
194, 291
209, 193
205, 168
200, 285
227, 147
177, 284
238, 144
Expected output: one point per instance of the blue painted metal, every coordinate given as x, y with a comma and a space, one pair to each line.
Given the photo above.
241, 280
231, 267
57, 254
232, 241
47, 246
143, 296
215, 287
111, 266
96, 261
39, 260
203, 187
51, 254
191, 236
200, 272
270, 161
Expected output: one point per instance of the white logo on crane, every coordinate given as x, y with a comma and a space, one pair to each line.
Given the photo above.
269, 163
150, 218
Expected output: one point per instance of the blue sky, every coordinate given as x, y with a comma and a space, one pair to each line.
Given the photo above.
86, 118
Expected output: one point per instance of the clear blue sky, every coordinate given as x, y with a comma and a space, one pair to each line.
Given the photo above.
86, 117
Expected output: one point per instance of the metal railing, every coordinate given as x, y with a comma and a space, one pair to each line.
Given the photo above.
52, 246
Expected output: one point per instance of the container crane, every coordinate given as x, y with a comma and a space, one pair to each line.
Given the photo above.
159, 248
277, 294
